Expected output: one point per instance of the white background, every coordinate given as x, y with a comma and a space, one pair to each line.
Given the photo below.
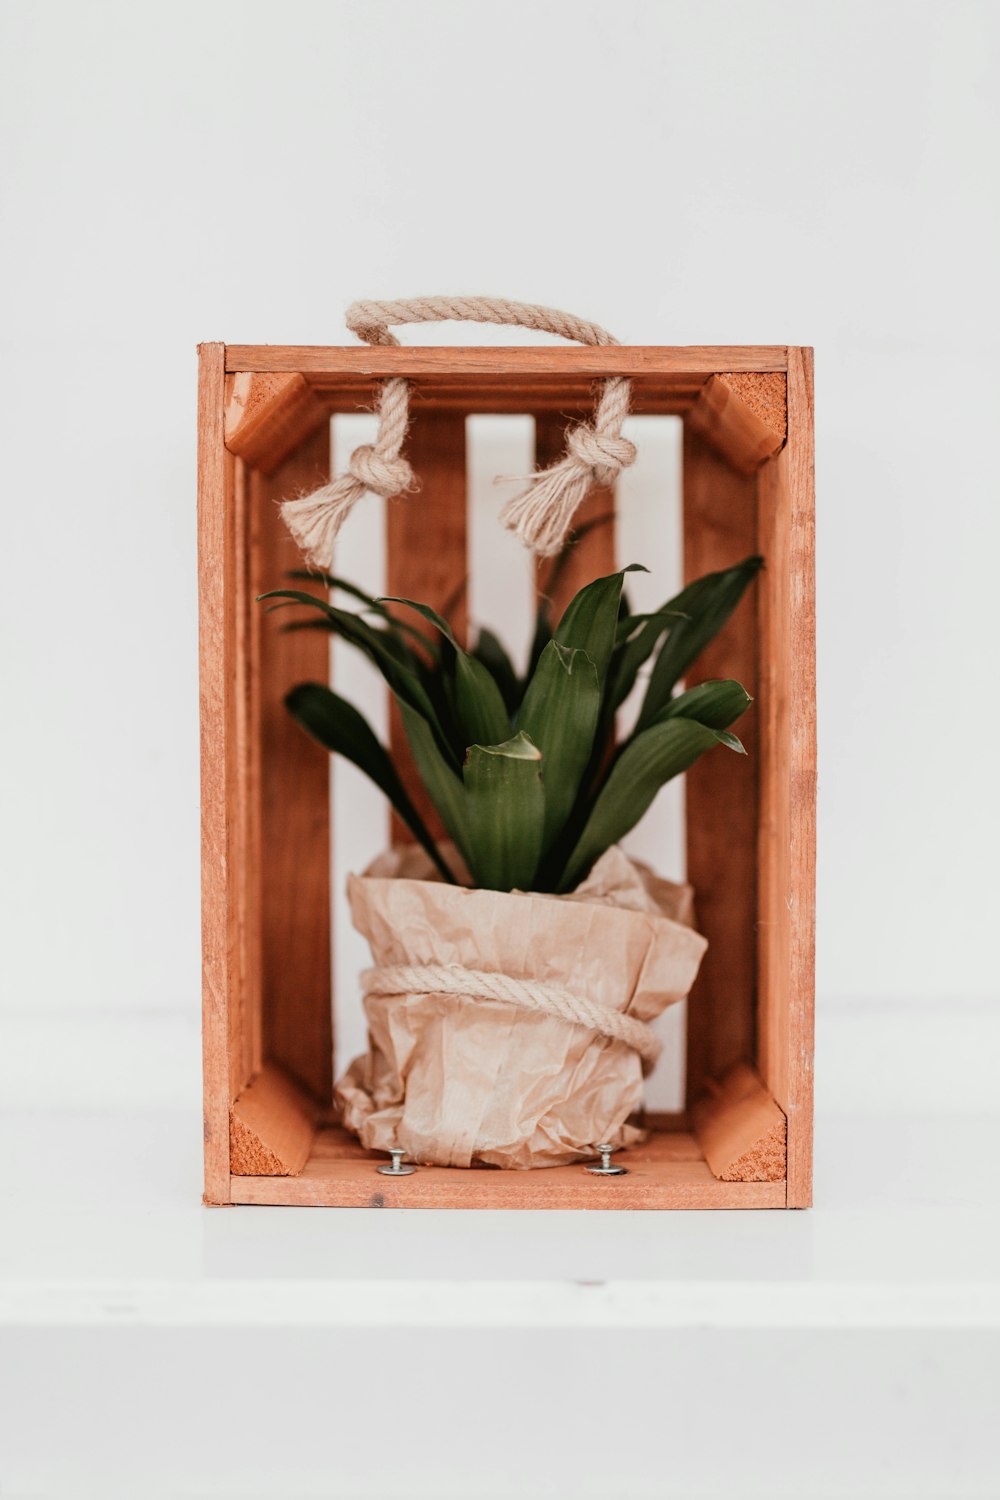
683, 172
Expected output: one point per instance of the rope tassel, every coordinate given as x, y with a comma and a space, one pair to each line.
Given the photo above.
543, 514
595, 453
315, 520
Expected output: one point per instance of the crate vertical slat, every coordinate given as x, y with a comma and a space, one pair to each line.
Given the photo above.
294, 796
787, 836
720, 528
263, 434
593, 556
427, 560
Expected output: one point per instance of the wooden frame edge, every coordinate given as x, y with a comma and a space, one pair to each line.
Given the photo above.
215, 641
802, 693
610, 359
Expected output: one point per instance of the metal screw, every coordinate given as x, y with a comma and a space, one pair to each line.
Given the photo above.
606, 1169
397, 1169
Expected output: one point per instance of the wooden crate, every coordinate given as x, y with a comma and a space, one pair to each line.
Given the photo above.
745, 1139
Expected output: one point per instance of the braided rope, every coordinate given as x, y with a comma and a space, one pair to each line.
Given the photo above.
529, 994
595, 452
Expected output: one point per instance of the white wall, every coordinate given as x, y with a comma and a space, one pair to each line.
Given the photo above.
682, 172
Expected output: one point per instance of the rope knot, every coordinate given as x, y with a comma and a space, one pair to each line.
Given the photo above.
379, 473
604, 452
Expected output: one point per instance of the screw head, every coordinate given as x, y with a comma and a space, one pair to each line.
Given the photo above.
397, 1169
606, 1169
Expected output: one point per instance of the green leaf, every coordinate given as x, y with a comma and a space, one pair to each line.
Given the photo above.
559, 714
591, 619
541, 637
340, 728
717, 704
479, 707
332, 581
505, 807
394, 662
707, 604
647, 763
444, 787
489, 650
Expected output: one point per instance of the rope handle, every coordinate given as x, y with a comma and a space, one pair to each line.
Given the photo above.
529, 994
595, 452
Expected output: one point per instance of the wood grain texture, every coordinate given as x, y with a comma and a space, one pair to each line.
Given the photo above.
267, 416
744, 434
787, 831
559, 362
594, 555
740, 1130
271, 1127
427, 560
720, 529
669, 1172
293, 798
568, 397
217, 651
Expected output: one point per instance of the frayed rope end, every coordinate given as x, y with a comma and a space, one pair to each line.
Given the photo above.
315, 520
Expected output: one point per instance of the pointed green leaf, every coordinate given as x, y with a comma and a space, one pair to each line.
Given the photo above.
444, 787
707, 603
559, 714
332, 581
340, 728
479, 707
489, 650
717, 704
393, 660
541, 637
505, 810
591, 619
647, 763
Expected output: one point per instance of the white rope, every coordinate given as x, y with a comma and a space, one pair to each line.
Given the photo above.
541, 516
530, 994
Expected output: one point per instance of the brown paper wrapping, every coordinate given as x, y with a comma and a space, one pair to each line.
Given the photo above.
456, 1080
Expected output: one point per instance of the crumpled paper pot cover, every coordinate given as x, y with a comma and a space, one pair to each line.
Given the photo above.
456, 1080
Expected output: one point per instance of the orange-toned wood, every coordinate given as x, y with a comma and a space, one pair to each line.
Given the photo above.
594, 555
427, 560
271, 1127
740, 1129
570, 399
217, 652
266, 938
560, 363
267, 416
294, 799
787, 834
720, 528
742, 417
668, 1172
245, 1016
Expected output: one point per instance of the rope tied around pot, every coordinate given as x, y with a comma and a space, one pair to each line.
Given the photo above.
529, 994
595, 452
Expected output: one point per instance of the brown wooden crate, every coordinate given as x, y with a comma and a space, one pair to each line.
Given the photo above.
749, 485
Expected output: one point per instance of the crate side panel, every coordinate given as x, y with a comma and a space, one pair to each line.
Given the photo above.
720, 529
217, 649
787, 834
294, 797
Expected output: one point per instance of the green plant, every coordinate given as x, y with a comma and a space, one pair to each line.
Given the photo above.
521, 769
